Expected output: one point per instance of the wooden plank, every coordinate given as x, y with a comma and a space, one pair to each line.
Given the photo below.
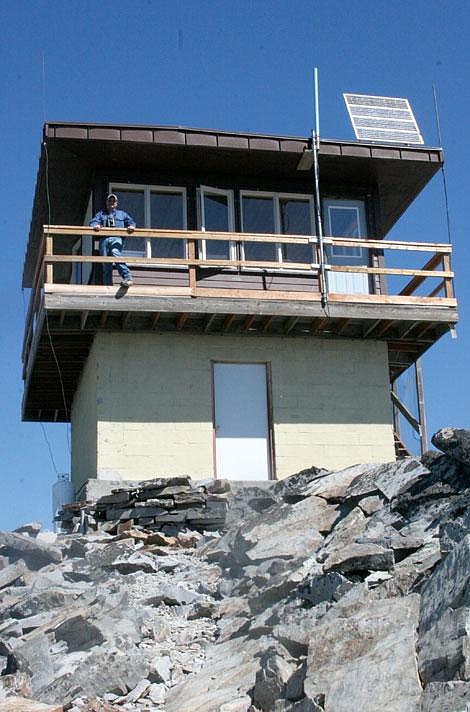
448, 287
267, 323
62, 317
392, 271
442, 248
126, 320
249, 321
419, 278
405, 412
49, 277
421, 407
209, 322
155, 320
83, 318
104, 318
438, 289
181, 320
370, 329
192, 268
319, 324
290, 323
341, 325
228, 322
384, 328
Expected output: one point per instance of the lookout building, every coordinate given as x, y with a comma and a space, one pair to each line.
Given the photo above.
222, 359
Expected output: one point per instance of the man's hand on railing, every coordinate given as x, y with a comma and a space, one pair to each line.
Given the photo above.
130, 228
96, 228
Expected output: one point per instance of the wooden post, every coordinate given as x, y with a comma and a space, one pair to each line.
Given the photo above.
49, 266
396, 416
421, 410
192, 267
448, 289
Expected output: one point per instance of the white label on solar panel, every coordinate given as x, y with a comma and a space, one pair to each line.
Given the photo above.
382, 118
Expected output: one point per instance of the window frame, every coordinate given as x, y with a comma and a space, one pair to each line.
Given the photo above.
277, 196
229, 194
147, 190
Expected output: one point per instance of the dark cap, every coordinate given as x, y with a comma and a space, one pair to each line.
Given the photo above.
111, 196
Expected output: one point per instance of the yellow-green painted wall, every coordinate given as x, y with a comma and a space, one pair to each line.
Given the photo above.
144, 404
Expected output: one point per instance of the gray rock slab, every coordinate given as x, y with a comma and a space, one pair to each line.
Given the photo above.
291, 531
134, 563
334, 485
228, 673
36, 554
391, 479
95, 673
360, 557
295, 487
17, 703
12, 573
366, 661
454, 442
173, 595
444, 622
450, 696
31, 528
33, 656
276, 668
346, 530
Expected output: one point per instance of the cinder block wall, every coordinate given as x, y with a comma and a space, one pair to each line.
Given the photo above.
144, 404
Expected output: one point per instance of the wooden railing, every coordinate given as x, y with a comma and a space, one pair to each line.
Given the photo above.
48, 257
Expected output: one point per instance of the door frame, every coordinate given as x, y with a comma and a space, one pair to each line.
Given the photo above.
272, 475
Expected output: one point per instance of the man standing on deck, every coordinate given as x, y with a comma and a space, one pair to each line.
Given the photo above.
112, 246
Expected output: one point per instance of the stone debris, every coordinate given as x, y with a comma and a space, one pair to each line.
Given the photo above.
326, 592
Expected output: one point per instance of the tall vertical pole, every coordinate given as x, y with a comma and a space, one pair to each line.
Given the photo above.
316, 180
421, 410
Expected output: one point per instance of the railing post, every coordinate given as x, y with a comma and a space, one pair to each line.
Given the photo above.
421, 411
192, 267
49, 251
448, 287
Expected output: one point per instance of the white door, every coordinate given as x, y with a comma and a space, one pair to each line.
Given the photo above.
241, 421
346, 218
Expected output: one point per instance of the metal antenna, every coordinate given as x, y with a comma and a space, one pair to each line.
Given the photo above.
316, 180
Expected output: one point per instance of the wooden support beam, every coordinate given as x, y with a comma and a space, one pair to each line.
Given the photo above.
62, 317
414, 283
319, 324
228, 322
155, 320
248, 323
83, 318
104, 318
267, 323
341, 325
126, 320
290, 323
181, 320
407, 330
448, 287
405, 412
404, 347
371, 328
209, 322
421, 408
421, 332
387, 324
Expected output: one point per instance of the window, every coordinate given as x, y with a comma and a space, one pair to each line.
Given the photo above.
277, 213
158, 207
216, 213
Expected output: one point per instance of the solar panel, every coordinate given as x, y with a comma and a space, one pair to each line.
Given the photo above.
382, 118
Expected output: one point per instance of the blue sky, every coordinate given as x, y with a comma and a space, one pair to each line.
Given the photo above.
242, 66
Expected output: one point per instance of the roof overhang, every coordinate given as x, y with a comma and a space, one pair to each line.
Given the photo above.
71, 153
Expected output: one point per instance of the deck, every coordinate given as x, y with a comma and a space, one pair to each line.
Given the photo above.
407, 306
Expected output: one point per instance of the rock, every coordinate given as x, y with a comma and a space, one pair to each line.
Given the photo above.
35, 554
360, 557
370, 505
139, 691
454, 442
292, 489
375, 646
95, 673
12, 573
391, 479
446, 697
157, 693
22, 704
134, 562
32, 529
333, 486
291, 531
160, 669
218, 682
78, 633
276, 667
173, 595
444, 622
33, 656
240, 704
318, 587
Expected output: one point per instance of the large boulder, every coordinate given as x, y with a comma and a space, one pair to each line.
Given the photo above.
455, 442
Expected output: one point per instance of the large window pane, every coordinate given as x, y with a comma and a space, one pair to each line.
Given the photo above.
217, 218
132, 201
296, 220
344, 222
166, 211
258, 216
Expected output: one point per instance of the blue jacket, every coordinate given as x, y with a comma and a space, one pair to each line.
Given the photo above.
120, 219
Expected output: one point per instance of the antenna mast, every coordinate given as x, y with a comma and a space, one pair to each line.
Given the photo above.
316, 180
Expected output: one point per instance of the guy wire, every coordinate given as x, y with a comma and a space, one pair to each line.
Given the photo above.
444, 181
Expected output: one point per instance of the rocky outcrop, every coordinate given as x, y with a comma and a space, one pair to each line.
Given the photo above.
330, 591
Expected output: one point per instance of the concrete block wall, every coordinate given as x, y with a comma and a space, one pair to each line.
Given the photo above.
144, 404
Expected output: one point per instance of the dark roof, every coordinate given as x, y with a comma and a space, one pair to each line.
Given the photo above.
72, 152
